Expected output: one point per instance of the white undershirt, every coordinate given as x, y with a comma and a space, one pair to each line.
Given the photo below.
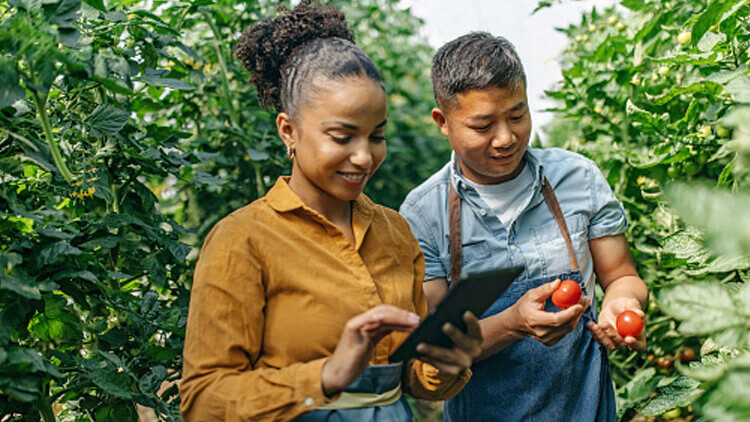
505, 199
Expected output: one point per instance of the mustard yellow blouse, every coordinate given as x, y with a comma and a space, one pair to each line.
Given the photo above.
274, 285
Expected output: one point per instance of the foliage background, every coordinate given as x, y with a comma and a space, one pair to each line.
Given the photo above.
127, 130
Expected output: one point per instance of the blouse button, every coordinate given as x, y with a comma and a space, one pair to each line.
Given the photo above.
309, 401
483, 212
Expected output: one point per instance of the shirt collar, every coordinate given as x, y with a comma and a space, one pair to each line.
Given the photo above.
459, 181
283, 199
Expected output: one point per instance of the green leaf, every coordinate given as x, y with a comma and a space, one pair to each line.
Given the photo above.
634, 4
57, 251
58, 323
704, 88
722, 216
713, 14
706, 309
697, 300
727, 399
681, 392
739, 88
10, 90
153, 80
97, 4
106, 377
107, 120
709, 41
22, 285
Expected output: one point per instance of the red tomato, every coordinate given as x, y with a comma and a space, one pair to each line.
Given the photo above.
568, 293
629, 323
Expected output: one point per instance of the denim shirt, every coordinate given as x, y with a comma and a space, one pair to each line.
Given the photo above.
532, 238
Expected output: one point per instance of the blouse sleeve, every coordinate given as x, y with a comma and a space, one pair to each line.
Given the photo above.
224, 338
422, 380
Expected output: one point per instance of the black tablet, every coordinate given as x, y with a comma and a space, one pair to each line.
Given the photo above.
474, 293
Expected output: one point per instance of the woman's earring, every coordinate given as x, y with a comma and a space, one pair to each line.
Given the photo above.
290, 153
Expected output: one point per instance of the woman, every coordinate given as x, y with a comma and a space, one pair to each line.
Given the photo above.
300, 297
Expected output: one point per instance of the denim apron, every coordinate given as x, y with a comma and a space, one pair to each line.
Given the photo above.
376, 379
528, 381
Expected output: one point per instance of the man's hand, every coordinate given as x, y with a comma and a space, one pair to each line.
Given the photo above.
605, 332
528, 316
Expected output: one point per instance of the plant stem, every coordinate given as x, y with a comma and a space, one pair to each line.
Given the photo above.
59, 160
259, 181
45, 409
224, 82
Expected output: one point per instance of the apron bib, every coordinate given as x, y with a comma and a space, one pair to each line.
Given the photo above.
528, 380
375, 380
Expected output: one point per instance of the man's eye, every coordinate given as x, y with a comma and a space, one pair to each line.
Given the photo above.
482, 128
518, 118
377, 139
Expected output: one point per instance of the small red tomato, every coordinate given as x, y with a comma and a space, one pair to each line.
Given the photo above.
686, 355
665, 362
568, 293
629, 323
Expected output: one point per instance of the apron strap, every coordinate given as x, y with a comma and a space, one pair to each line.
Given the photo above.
554, 206
454, 216
454, 239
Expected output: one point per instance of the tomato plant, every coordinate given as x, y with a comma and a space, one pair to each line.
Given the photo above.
674, 145
567, 294
126, 131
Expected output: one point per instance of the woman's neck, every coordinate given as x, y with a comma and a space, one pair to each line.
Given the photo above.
337, 211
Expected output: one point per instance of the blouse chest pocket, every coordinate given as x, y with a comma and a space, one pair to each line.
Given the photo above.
551, 247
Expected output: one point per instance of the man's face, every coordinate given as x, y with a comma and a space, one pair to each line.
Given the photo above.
489, 130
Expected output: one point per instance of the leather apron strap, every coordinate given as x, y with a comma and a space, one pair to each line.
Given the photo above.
554, 206
454, 239
454, 215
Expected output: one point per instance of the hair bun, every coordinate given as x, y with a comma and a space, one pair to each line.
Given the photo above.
266, 46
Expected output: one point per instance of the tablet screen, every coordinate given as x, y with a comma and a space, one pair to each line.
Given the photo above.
474, 293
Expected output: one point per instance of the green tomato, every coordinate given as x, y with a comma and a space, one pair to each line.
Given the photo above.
704, 131
592, 27
620, 26
672, 414
612, 20
664, 70
722, 132
690, 168
673, 172
684, 37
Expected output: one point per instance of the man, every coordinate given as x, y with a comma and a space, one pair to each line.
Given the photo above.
502, 203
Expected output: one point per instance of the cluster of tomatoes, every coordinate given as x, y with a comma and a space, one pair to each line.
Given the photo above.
568, 293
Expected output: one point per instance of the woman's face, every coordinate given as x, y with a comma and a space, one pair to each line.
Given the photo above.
337, 137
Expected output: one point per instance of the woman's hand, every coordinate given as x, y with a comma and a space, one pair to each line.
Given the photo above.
357, 342
466, 347
529, 317
605, 332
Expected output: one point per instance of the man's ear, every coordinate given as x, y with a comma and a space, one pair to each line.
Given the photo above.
439, 117
286, 129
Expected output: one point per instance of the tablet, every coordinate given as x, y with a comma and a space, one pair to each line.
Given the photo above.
473, 293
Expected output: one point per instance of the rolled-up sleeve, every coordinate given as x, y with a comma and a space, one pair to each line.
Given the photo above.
608, 215
427, 242
224, 337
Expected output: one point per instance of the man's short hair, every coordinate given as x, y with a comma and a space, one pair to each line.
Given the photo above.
477, 60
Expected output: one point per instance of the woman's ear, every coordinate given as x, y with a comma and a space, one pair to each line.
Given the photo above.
287, 130
439, 117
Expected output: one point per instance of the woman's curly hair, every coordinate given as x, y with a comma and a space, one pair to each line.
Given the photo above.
286, 53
